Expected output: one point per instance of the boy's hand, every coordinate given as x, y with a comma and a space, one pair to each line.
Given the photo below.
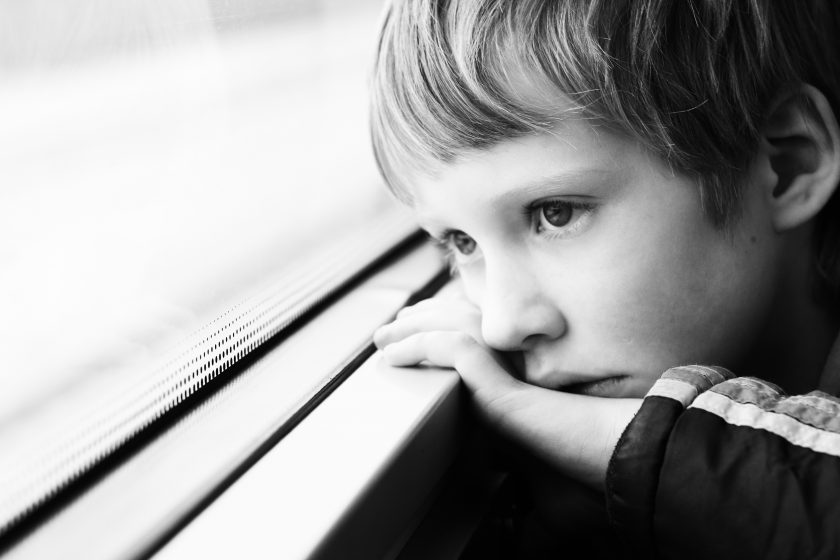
446, 332
576, 433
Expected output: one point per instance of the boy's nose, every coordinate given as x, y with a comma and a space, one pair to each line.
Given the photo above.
515, 313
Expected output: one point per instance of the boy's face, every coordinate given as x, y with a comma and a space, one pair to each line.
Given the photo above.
588, 255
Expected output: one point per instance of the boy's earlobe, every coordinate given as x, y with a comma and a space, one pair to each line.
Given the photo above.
802, 143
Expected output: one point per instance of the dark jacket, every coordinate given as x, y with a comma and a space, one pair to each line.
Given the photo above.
716, 466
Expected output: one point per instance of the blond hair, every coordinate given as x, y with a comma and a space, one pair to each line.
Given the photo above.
688, 79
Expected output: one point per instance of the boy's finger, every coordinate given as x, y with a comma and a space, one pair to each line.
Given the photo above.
453, 349
438, 347
429, 320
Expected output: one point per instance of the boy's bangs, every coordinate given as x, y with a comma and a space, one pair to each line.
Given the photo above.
463, 79
690, 81
453, 75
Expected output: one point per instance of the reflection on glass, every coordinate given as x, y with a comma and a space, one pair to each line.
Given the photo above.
158, 160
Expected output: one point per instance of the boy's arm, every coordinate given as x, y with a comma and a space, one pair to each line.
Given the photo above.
575, 433
706, 466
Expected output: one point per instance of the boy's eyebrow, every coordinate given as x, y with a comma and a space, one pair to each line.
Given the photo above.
558, 183
570, 179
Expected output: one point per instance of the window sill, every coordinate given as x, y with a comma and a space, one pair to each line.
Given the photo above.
300, 494
348, 482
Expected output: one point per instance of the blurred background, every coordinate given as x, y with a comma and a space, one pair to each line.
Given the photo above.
159, 161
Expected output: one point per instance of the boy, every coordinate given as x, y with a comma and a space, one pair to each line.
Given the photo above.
625, 189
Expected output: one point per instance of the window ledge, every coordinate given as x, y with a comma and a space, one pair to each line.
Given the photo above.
358, 470
230, 456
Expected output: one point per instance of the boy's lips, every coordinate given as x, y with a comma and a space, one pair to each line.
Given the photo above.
601, 387
603, 383
583, 381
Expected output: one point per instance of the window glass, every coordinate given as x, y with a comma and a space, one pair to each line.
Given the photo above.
159, 160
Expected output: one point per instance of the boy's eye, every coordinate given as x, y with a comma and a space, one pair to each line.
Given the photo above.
561, 216
462, 242
555, 214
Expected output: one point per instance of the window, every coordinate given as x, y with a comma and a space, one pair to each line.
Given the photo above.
180, 181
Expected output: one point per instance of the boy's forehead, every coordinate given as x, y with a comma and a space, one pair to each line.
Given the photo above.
573, 154
502, 196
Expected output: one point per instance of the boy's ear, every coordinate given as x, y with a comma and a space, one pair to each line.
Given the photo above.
802, 144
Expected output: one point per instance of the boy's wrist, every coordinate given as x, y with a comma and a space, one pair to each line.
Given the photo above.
575, 433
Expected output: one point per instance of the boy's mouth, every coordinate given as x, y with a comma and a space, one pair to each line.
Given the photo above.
605, 387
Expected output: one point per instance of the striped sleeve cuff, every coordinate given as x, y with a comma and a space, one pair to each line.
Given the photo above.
811, 421
684, 384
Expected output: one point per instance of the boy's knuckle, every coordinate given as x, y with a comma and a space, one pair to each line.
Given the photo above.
463, 340
421, 339
405, 311
429, 340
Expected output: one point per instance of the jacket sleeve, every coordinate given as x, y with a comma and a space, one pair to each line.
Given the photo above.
714, 466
